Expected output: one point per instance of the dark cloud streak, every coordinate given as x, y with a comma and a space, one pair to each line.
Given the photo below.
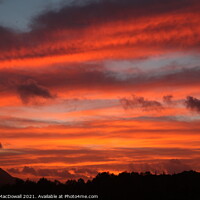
103, 11
30, 84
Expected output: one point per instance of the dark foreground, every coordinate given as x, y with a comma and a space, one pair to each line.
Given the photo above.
182, 186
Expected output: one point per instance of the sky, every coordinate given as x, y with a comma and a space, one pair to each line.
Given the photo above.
93, 86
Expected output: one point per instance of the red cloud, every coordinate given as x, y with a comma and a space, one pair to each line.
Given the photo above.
108, 28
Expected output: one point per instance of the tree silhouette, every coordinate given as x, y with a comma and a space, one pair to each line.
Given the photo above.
143, 186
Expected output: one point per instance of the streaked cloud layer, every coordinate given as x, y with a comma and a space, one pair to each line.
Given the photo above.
101, 85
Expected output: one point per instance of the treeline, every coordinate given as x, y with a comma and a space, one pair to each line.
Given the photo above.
125, 186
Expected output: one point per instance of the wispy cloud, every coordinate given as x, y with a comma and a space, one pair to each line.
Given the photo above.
193, 103
31, 89
168, 99
139, 102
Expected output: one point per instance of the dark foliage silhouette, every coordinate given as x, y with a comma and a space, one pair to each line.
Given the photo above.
139, 186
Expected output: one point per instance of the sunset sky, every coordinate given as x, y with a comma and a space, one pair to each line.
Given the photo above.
99, 85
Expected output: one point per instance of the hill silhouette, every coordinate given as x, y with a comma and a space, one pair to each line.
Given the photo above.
125, 186
6, 178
